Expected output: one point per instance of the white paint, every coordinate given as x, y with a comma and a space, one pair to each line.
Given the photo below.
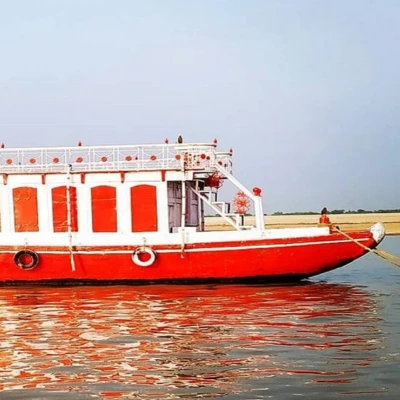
44, 212
378, 232
210, 249
84, 211
155, 238
162, 208
7, 210
124, 221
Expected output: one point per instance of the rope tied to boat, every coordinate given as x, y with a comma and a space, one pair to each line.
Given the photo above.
384, 255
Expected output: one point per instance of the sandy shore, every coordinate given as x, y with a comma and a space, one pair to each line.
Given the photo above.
345, 221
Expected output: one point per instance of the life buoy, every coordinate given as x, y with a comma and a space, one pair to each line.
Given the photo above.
26, 259
144, 250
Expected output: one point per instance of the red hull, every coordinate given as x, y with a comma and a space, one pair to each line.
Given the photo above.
269, 259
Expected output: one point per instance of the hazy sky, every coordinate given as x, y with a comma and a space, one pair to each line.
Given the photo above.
306, 92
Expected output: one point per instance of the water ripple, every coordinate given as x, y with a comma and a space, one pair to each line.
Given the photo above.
176, 342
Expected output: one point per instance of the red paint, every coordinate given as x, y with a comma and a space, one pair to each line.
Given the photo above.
104, 209
26, 217
60, 210
144, 208
290, 259
281, 243
257, 191
324, 219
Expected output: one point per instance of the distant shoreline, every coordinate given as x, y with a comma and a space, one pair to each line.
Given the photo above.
345, 221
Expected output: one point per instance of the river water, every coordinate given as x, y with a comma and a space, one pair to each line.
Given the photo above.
335, 336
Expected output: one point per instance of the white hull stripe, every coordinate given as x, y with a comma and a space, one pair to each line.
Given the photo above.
200, 250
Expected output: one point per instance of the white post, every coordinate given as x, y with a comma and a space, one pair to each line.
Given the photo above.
183, 214
84, 209
162, 207
69, 216
7, 209
45, 216
183, 217
123, 203
259, 214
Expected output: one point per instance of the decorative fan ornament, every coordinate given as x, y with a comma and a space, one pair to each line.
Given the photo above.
241, 203
214, 180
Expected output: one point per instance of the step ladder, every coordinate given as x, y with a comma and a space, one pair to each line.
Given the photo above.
222, 208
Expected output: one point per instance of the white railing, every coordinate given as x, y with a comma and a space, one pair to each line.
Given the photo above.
195, 156
224, 159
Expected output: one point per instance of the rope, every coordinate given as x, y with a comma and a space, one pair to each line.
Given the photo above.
388, 257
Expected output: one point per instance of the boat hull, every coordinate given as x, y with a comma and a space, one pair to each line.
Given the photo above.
267, 260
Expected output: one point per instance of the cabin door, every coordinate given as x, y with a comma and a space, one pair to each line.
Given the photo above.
174, 205
192, 206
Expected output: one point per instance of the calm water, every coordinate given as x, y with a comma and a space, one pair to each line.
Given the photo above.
337, 336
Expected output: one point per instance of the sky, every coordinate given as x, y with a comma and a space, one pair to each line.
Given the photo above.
306, 92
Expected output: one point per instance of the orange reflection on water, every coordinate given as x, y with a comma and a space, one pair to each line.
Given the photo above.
184, 340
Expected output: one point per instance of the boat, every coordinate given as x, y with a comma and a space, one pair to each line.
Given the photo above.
136, 214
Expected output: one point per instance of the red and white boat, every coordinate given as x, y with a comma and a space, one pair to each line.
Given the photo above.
136, 214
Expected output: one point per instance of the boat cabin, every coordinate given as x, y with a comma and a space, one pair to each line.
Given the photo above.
119, 190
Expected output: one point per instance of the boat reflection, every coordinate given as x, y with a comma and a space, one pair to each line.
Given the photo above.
199, 341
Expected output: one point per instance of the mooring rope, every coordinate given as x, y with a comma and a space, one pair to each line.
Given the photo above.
390, 258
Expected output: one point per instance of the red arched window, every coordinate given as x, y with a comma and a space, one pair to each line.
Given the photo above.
60, 209
144, 208
26, 217
104, 209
